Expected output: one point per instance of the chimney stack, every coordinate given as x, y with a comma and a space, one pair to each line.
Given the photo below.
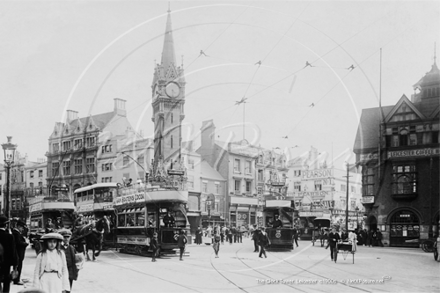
71, 115
208, 134
120, 107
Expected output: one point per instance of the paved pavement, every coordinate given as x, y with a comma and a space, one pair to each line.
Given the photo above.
238, 269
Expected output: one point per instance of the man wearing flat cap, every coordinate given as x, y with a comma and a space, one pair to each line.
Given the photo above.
20, 247
9, 254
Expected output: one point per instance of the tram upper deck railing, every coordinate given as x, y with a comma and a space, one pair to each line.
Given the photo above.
156, 186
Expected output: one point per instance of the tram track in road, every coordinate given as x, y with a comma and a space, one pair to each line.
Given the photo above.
226, 278
316, 274
150, 275
267, 276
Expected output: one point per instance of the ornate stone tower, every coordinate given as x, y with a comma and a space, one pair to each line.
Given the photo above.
168, 90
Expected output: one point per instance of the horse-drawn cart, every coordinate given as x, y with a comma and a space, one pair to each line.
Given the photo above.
345, 248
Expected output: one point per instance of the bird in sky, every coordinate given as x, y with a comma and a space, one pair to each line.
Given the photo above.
308, 64
351, 67
258, 63
285, 137
312, 105
202, 53
243, 100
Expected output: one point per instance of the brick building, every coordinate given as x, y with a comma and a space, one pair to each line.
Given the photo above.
398, 149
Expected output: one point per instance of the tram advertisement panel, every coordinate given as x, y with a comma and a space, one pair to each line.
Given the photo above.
131, 198
137, 240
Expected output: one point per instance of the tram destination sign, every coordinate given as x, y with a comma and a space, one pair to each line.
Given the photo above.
414, 153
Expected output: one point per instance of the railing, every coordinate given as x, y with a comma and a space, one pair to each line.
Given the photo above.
142, 187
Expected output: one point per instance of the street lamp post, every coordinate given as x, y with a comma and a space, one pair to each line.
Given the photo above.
9, 151
357, 220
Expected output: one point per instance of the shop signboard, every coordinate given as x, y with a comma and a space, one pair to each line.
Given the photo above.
36, 207
414, 153
311, 214
312, 194
367, 199
317, 174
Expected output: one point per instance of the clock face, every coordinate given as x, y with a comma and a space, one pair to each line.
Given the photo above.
172, 90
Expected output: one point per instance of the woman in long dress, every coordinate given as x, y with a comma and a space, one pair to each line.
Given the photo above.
51, 274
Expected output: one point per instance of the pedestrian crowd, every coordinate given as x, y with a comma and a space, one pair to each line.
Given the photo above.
58, 263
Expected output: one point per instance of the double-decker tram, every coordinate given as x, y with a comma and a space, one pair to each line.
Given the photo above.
144, 210
48, 214
278, 218
93, 202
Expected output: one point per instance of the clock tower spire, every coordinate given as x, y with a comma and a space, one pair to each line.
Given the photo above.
168, 92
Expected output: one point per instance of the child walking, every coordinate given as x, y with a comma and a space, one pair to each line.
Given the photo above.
51, 274
216, 245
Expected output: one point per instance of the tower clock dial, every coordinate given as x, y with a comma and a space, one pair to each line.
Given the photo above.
172, 90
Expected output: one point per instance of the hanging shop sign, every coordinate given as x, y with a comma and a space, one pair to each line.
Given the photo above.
414, 153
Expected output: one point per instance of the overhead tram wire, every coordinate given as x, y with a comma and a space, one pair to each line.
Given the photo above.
243, 101
217, 38
267, 87
339, 45
229, 25
282, 37
338, 82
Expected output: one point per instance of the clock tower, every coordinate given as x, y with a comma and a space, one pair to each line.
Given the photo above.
168, 91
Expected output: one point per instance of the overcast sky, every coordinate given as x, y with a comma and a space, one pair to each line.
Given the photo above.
58, 55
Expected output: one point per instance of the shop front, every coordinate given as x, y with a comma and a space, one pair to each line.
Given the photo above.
242, 212
404, 229
305, 223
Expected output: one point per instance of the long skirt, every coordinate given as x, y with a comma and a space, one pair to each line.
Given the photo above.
51, 283
216, 247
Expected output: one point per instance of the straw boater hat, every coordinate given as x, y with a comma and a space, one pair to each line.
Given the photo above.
65, 232
56, 236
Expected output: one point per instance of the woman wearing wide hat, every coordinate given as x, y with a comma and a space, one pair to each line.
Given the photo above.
51, 273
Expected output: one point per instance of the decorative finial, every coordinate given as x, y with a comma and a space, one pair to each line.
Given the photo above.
435, 55
182, 61
169, 7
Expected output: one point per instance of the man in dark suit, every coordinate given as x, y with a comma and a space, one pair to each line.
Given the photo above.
255, 237
333, 238
295, 236
9, 254
277, 223
20, 247
169, 220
